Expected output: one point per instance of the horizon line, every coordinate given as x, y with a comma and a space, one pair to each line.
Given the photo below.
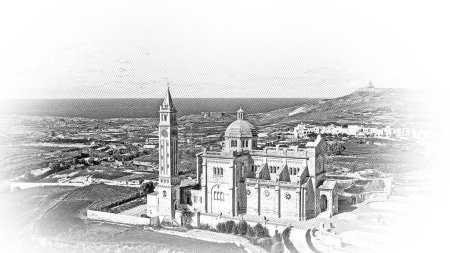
173, 98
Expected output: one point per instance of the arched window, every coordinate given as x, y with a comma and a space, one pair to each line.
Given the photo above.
221, 171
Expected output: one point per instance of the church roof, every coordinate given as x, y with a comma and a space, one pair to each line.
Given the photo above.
188, 182
328, 185
241, 128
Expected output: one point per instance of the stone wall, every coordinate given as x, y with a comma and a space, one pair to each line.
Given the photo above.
26, 185
290, 203
252, 192
120, 218
220, 195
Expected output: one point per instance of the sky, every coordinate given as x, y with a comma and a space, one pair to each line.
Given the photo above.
109, 49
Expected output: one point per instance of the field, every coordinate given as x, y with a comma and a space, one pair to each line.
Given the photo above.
53, 210
59, 212
16, 161
392, 159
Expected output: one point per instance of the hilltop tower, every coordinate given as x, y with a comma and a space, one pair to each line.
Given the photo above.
169, 182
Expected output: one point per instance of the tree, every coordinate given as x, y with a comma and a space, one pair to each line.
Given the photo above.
146, 188
335, 148
312, 135
28, 177
186, 215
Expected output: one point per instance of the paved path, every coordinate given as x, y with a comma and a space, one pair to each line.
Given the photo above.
216, 237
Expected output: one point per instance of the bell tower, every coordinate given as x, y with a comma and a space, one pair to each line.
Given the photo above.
169, 182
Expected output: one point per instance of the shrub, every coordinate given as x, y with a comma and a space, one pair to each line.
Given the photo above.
276, 237
261, 231
229, 226
277, 247
286, 233
206, 227
166, 223
250, 231
221, 227
242, 227
235, 229
253, 240
266, 243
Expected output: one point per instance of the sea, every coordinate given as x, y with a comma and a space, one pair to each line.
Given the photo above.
141, 107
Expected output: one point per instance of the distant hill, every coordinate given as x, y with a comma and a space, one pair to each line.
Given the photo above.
364, 106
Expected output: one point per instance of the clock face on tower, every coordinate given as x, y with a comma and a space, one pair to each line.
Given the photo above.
164, 133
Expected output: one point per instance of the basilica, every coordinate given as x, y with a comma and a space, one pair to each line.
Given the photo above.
275, 182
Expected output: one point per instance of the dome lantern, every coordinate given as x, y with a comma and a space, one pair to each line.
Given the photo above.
240, 114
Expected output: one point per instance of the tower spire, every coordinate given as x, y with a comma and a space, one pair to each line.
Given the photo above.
168, 103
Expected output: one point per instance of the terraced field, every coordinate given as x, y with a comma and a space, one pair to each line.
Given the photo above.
385, 159
15, 161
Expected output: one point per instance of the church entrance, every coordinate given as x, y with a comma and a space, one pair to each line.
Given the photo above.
323, 203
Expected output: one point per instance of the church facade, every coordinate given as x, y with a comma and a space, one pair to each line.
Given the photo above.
275, 182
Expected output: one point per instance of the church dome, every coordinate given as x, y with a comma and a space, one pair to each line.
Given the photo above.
241, 128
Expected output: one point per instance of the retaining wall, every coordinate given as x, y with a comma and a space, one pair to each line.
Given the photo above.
120, 218
25, 185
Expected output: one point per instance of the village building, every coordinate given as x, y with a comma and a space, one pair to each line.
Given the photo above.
279, 182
